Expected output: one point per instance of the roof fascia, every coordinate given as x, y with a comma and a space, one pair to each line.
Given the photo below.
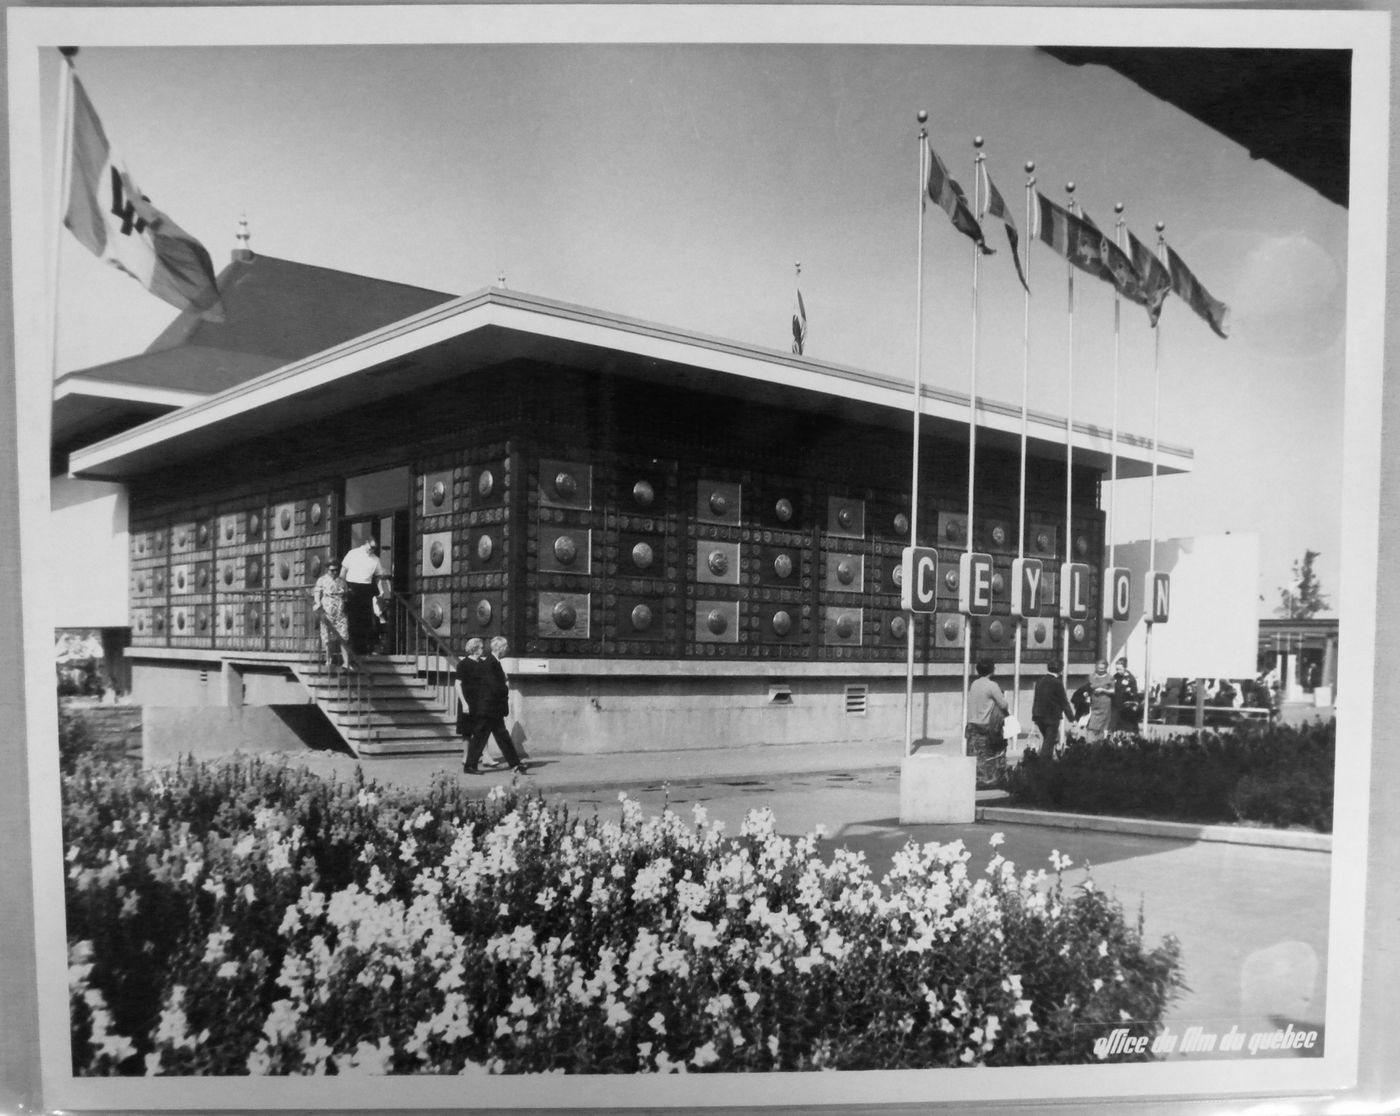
560, 321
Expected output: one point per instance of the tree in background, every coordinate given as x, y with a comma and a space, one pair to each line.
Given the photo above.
1302, 598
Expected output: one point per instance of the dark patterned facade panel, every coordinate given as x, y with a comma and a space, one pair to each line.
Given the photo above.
845, 517
783, 506
645, 619
785, 567
477, 613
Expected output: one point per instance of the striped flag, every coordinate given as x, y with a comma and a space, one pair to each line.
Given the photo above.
116, 222
943, 188
1214, 312
1156, 282
996, 207
1081, 242
799, 323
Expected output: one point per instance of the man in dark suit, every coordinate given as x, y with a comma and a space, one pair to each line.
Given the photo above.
488, 697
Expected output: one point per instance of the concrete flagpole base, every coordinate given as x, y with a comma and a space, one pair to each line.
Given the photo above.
937, 789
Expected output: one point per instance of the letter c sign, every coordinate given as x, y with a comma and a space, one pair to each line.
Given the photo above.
918, 579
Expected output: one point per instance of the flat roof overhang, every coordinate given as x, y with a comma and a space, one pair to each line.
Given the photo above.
474, 334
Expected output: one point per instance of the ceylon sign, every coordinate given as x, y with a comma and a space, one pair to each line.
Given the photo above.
1159, 597
1027, 577
1074, 590
975, 584
918, 579
1118, 592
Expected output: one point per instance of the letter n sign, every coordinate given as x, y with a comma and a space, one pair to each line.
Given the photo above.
1118, 592
1159, 596
1074, 590
1026, 576
918, 579
975, 584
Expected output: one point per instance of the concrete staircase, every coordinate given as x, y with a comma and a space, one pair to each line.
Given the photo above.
386, 708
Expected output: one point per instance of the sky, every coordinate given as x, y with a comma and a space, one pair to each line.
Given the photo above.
680, 183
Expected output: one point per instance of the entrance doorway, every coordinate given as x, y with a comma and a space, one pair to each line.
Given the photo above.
376, 507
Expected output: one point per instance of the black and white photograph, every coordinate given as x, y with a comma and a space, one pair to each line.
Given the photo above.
604, 557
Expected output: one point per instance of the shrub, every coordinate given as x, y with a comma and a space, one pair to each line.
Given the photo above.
253, 919
1270, 775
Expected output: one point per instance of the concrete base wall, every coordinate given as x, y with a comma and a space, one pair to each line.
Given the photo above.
592, 715
181, 682
205, 733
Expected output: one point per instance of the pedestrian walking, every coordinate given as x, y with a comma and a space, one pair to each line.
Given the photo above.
360, 568
986, 713
328, 606
488, 692
1050, 705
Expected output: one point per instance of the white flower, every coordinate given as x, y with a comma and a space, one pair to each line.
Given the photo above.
997, 839
228, 970
707, 1055
657, 1023
1103, 948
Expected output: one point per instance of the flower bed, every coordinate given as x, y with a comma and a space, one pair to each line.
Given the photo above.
1273, 775
251, 918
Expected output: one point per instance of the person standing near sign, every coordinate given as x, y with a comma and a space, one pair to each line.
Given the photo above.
1050, 706
1127, 698
1100, 702
986, 712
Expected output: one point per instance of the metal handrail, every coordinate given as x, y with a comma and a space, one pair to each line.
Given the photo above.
410, 634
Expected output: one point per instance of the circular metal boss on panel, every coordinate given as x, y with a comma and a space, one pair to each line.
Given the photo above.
484, 548
845, 517
565, 615
782, 622
845, 625
716, 621
642, 556
899, 627
436, 615
718, 561
845, 571
950, 628
783, 510
565, 550
483, 613
565, 485
643, 493
439, 493
782, 565
641, 618
901, 524
485, 482
719, 503
285, 518
436, 554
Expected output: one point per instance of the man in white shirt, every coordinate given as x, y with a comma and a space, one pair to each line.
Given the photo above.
360, 568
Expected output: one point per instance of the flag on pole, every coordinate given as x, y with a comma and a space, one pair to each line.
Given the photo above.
1156, 282
116, 222
945, 191
996, 207
1081, 242
799, 323
1214, 312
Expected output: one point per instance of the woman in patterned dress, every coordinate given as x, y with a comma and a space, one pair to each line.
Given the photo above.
328, 606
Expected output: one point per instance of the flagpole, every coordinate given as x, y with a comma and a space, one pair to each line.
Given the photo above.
971, 429
1148, 603
1069, 446
64, 154
914, 471
1113, 437
1025, 426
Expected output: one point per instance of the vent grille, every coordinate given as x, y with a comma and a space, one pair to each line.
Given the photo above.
856, 697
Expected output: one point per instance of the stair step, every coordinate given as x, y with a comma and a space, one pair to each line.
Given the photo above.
388, 732
385, 748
